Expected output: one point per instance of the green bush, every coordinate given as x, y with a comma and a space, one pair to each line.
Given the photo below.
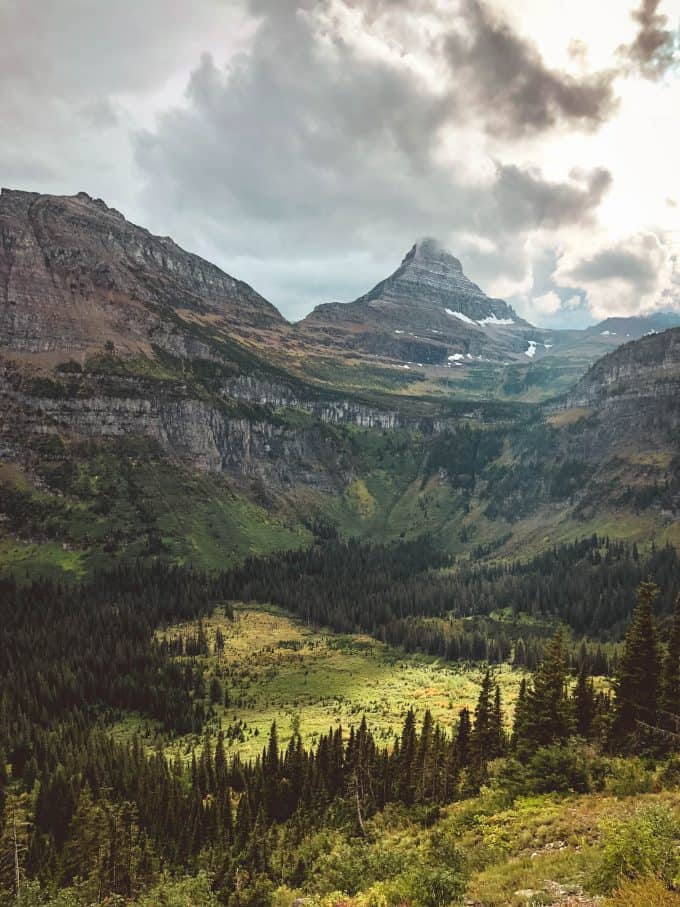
423, 885
647, 892
550, 769
627, 777
646, 844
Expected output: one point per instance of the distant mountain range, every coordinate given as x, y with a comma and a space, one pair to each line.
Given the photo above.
75, 274
153, 406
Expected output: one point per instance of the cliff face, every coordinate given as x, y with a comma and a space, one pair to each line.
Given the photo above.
74, 273
646, 368
243, 427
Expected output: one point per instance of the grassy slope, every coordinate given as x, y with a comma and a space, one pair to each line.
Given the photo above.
536, 850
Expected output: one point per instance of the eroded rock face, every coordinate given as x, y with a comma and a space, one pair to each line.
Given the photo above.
646, 368
251, 430
74, 273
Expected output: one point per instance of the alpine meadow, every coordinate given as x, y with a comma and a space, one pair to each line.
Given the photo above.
352, 579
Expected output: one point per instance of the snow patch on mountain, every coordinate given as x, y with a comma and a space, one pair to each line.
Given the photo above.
494, 319
460, 316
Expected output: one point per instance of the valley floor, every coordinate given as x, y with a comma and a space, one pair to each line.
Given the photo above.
275, 669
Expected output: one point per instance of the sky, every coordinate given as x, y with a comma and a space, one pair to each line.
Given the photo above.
304, 145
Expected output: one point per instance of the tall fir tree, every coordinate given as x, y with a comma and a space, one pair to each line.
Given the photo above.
584, 703
670, 686
638, 676
547, 713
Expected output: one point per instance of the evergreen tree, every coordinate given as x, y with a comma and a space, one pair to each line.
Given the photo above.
463, 735
637, 684
407, 753
547, 714
584, 702
670, 689
14, 839
519, 721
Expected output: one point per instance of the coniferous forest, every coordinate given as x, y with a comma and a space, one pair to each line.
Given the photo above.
593, 627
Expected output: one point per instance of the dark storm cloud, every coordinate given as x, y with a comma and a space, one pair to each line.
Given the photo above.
655, 48
304, 142
525, 199
637, 267
511, 87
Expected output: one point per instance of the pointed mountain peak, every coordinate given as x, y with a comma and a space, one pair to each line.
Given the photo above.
430, 250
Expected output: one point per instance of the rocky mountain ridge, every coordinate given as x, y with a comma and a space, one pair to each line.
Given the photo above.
645, 368
74, 273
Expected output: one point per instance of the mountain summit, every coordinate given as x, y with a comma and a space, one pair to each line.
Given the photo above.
431, 276
427, 309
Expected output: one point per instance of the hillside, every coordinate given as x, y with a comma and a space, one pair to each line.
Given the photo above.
646, 369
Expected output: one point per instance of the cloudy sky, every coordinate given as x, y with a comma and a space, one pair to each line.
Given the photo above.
303, 145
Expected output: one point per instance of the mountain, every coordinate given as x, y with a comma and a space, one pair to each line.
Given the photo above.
599, 339
633, 327
427, 311
75, 274
153, 406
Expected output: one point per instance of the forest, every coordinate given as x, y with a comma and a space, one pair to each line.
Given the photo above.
88, 818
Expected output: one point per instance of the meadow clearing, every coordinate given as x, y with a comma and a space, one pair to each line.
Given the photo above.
273, 668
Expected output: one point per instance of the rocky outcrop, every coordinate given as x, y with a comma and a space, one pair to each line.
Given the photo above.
646, 368
247, 428
74, 274
209, 436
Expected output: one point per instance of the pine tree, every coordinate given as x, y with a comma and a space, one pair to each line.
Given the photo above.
670, 689
547, 713
637, 685
519, 721
498, 738
423, 766
407, 753
484, 736
14, 837
463, 734
584, 703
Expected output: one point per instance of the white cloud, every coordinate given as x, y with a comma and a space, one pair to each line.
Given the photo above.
631, 276
304, 144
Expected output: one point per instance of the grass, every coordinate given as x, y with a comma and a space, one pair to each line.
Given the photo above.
544, 845
278, 670
47, 560
537, 850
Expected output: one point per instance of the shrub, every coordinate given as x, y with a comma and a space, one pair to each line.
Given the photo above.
551, 769
669, 776
647, 892
627, 777
646, 844
71, 367
430, 886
